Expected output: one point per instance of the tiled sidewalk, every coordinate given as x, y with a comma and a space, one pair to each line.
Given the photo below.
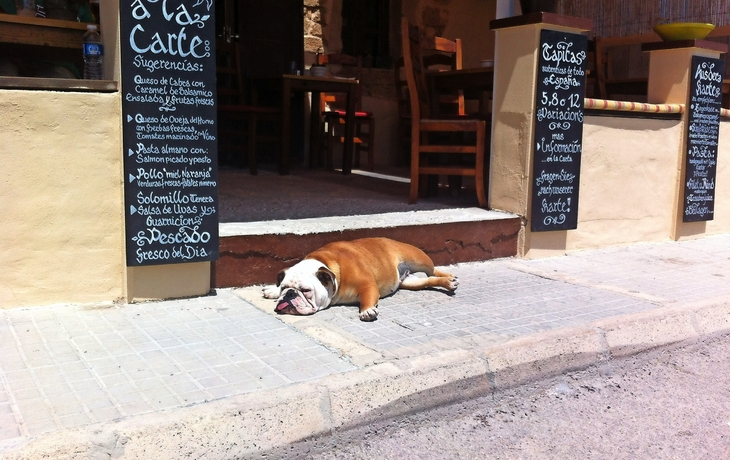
502, 299
67, 366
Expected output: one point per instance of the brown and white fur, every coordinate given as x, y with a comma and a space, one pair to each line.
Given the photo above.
354, 272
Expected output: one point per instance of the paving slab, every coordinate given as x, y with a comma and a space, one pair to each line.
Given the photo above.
224, 376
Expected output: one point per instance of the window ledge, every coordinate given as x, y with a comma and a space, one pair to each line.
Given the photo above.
59, 84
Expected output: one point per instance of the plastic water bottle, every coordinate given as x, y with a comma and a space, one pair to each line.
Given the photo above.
93, 52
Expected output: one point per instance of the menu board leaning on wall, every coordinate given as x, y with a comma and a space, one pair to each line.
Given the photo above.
703, 130
169, 131
559, 103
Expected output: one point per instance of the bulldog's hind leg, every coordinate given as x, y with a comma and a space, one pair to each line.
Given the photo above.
438, 279
418, 262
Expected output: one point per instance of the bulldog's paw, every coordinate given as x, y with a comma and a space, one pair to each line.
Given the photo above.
452, 283
271, 291
371, 314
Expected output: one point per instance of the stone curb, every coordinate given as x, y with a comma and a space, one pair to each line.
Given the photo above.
251, 424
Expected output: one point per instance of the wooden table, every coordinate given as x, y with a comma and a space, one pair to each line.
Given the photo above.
477, 83
316, 86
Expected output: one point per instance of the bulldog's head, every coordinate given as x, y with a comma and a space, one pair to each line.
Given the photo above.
305, 288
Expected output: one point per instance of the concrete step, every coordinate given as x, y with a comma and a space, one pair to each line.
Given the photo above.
254, 252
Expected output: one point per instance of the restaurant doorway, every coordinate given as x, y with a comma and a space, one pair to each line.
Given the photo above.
271, 39
271, 34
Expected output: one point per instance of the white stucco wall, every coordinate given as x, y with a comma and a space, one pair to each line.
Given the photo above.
628, 181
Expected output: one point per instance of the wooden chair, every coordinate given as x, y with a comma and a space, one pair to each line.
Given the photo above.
238, 119
334, 114
438, 54
422, 125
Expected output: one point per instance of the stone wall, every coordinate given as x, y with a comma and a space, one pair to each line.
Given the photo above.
314, 23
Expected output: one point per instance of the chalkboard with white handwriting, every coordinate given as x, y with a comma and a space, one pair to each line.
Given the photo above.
558, 130
703, 129
169, 131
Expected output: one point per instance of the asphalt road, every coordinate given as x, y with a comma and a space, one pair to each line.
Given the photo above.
666, 404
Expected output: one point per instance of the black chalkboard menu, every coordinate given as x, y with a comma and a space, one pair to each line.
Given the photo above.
703, 129
558, 130
169, 131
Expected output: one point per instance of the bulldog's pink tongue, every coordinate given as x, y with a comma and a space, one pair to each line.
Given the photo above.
284, 305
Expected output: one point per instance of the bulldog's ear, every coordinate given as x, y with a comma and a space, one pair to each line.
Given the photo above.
280, 277
326, 277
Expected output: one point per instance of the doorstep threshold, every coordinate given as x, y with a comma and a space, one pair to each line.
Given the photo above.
342, 223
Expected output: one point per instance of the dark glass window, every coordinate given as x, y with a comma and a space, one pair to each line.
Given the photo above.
365, 26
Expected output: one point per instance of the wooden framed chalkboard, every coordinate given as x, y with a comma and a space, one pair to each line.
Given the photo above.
169, 131
558, 144
703, 129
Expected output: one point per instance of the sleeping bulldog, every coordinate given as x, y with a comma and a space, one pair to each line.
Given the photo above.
354, 272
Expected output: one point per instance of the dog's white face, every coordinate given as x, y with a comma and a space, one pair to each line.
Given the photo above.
303, 289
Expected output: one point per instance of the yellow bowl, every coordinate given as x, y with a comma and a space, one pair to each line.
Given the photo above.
683, 31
